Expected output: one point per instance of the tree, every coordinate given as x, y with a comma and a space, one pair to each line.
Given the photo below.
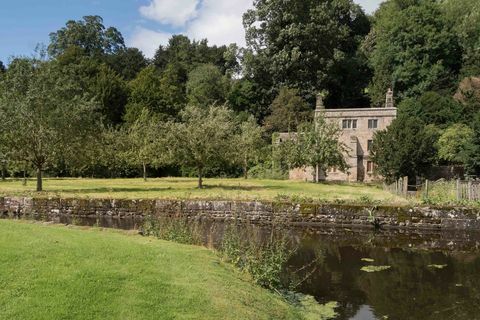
433, 108
203, 138
161, 93
249, 142
48, 115
473, 150
316, 145
308, 45
206, 86
454, 143
287, 111
146, 142
243, 98
412, 48
127, 62
88, 34
2, 68
110, 91
464, 16
405, 148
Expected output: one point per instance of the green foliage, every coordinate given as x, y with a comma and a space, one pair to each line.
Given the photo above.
127, 62
264, 261
412, 48
203, 139
47, 117
287, 111
405, 148
175, 229
308, 45
161, 93
88, 34
454, 143
249, 144
206, 86
146, 139
315, 144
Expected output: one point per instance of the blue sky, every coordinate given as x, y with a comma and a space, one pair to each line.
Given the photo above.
144, 23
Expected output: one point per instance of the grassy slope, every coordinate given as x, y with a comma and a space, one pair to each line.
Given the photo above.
53, 272
186, 188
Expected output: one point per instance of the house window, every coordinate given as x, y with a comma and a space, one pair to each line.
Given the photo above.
332, 169
370, 166
349, 124
372, 124
369, 145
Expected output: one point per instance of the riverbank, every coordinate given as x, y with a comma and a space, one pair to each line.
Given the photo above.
256, 212
89, 273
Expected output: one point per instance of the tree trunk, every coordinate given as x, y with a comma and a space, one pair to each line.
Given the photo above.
39, 179
245, 168
4, 170
144, 172
317, 173
200, 178
24, 183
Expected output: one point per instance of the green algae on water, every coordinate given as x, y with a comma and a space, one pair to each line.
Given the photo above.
375, 268
367, 260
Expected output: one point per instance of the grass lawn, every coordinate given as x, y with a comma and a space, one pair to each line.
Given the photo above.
185, 188
57, 272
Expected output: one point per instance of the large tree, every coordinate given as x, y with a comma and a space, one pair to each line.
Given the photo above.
405, 148
88, 34
309, 45
203, 138
412, 48
48, 116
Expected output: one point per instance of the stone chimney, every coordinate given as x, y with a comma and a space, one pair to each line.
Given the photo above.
389, 103
320, 104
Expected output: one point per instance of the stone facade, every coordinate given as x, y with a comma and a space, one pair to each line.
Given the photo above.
358, 126
257, 212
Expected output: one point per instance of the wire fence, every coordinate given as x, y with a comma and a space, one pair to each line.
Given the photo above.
437, 191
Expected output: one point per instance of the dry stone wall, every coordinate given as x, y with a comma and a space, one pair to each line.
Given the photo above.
248, 211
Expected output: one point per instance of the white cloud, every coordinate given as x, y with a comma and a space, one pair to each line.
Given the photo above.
220, 21
148, 41
172, 12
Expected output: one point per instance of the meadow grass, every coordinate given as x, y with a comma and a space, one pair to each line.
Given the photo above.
58, 272
186, 188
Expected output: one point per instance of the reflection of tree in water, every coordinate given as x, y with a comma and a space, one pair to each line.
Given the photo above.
332, 275
412, 290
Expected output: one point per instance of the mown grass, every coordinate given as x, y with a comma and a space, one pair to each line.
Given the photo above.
185, 188
56, 272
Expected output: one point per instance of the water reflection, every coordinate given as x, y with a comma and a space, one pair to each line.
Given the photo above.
327, 264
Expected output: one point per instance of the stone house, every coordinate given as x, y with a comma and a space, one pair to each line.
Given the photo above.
357, 129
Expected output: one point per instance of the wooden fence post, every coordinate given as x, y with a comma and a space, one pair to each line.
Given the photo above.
405, 186
469, 191
459, 191
426, 188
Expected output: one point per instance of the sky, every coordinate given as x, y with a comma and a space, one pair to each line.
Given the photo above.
145, 24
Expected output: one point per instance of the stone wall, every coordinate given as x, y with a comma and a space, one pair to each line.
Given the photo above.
253, 211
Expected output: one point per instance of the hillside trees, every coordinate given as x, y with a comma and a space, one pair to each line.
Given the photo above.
308, 45
412, 48
49, 118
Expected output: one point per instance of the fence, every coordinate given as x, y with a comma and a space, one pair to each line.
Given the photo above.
440, 190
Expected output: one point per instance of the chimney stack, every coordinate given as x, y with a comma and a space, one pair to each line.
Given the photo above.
320, 104
389, 99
